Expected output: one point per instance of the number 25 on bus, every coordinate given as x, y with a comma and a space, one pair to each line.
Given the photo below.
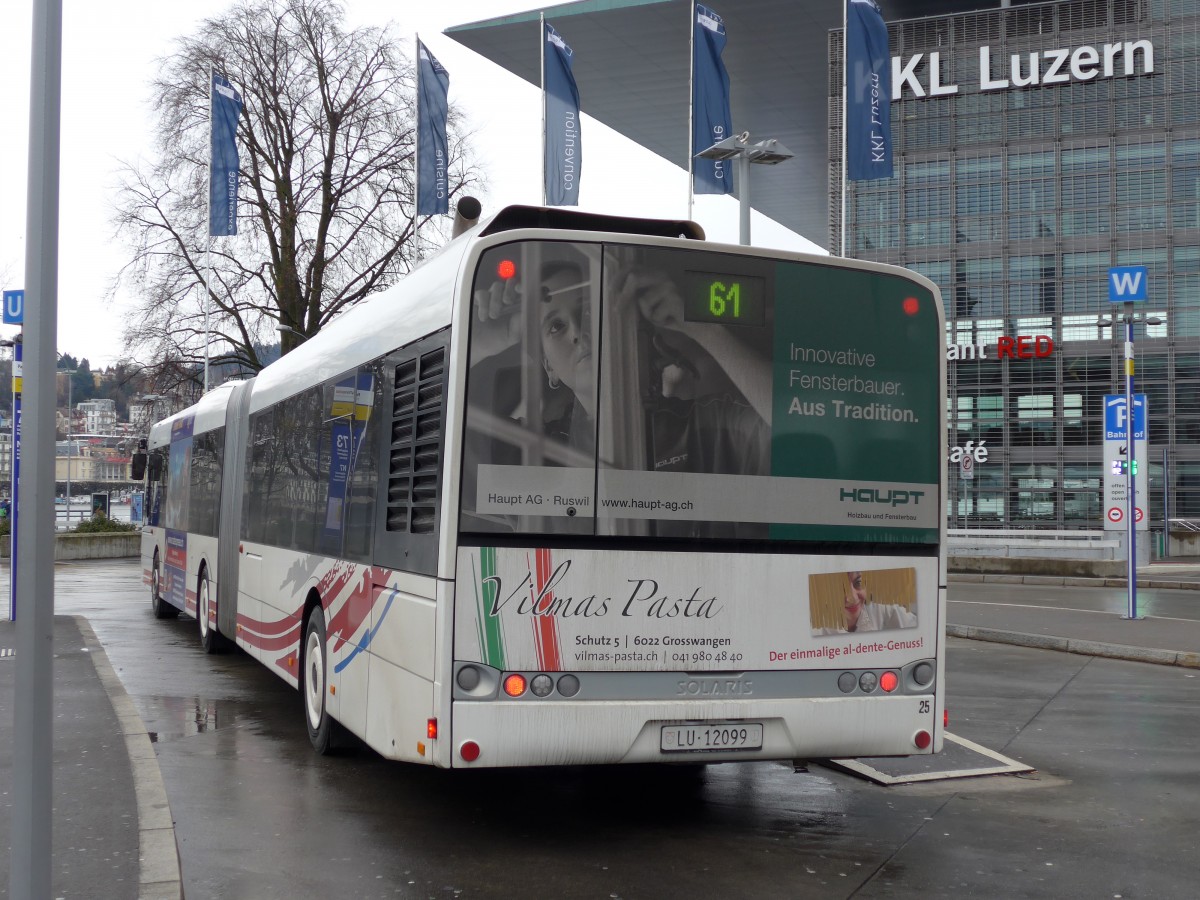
582, 489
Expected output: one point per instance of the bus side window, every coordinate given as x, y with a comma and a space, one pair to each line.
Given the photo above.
156, 466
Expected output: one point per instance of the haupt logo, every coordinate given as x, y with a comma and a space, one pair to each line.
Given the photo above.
875, 495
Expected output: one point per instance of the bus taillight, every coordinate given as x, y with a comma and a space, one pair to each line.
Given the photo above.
923, 739
506, 269
469, 751
431, 729
514, 684
889, 681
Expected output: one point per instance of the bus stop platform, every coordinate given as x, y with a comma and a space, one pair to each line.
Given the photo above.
112, 831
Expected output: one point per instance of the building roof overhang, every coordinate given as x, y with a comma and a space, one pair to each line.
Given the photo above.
631, 65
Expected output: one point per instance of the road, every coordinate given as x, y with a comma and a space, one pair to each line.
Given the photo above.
1112, 811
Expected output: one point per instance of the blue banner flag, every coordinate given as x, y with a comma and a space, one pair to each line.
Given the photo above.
868, 93
223, 158
562, 148
711, 119
433, 84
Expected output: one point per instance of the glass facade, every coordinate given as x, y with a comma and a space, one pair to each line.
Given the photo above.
1016, 200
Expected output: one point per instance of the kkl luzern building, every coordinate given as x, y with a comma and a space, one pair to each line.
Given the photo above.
1036, 147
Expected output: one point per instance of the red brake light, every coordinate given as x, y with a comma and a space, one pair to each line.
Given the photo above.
923, 739
888, 681
469, 751
514, 685
431, 729
506, 269
911, 305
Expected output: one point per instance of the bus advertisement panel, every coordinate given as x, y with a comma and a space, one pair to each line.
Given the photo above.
179, 464
595, 611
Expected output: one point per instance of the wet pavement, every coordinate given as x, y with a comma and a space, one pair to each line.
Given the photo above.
1111, 809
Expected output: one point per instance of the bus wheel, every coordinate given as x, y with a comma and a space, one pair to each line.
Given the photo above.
162, 609
209, 639
313, 683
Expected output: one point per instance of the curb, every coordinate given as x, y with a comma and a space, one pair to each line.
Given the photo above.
1187, 659
1070, 581
159, 876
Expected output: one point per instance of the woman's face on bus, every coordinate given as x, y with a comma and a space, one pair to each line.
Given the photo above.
566, 332
856, 596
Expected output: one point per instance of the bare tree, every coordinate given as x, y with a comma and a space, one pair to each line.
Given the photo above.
326, 206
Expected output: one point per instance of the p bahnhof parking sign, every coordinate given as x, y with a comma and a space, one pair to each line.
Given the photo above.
1116, 462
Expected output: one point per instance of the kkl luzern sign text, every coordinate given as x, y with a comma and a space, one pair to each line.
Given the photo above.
1059, 66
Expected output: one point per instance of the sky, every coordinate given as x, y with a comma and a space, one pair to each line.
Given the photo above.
110, 53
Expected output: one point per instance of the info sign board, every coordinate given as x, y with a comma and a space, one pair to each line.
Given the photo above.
1116, 462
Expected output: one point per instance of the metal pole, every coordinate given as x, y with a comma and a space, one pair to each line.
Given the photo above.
691, 103
212, 78
16, 476
69, 405
1166, 548
744, 198
845, 139
1130, 480
207, 295
33, 731
542, 63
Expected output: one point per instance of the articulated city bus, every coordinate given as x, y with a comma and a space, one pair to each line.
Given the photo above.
583, 489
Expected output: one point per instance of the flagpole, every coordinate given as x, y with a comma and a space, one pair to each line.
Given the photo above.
212, 74
691, 102
417, 155
845, 108
542, 61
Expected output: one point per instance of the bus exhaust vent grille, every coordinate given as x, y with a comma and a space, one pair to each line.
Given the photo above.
415, 451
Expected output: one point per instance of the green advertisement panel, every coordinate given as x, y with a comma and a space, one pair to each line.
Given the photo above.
857, 398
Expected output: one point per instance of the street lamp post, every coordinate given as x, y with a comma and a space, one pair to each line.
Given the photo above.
300, 336
769, 153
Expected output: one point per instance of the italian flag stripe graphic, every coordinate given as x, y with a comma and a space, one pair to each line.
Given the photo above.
491, 638
546, 626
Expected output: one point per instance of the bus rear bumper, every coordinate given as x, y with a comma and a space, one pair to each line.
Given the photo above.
552, 733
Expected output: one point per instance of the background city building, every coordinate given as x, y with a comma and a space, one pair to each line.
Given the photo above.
1016, 201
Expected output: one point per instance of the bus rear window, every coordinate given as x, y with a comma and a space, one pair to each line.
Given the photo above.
645, 391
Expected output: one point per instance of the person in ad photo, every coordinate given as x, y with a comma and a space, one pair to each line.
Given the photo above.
526, 354
854, 602
702, 415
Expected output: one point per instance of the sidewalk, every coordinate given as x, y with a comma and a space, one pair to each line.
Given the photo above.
112, 825
1167, 632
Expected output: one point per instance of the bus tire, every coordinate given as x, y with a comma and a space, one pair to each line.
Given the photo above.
314, 681
210, 641
161, 608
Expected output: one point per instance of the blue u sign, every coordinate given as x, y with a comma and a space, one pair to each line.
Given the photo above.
1126, 283
14, 307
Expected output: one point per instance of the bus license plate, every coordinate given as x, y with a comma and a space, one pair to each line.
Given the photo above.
712, 736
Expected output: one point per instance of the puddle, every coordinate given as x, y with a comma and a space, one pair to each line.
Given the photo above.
170, 718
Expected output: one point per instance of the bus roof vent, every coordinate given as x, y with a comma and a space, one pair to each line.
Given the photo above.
513, 217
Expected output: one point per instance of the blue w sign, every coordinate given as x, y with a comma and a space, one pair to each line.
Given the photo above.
1127, 283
